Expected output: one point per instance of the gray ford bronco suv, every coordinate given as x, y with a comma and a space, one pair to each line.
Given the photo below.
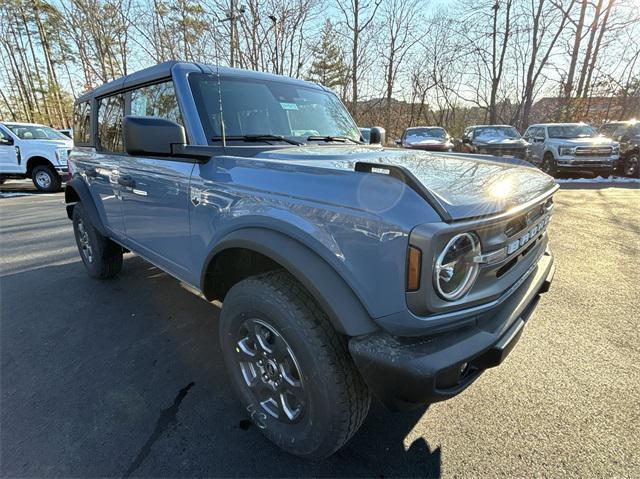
346, 271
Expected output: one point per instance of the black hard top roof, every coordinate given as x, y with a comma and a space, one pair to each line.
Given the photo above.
163, 70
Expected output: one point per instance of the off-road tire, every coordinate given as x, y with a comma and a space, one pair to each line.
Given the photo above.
549, 165
338, 398
104, 258
632, 166
46, 179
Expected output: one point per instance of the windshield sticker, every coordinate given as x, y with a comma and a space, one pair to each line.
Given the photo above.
288, 106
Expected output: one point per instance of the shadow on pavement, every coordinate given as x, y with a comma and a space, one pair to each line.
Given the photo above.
125, 377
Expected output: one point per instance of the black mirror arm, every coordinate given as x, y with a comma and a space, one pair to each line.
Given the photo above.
201, 154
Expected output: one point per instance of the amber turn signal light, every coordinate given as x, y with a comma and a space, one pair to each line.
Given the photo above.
414, 260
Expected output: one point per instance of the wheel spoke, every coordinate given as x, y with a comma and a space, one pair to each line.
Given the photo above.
245, 349
250, 374
289, 410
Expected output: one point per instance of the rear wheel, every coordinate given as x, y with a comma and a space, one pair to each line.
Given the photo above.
549, 165
290, 368
632, 166
101, 256
46, 179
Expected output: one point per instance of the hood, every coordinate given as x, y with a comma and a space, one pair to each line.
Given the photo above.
49, 143
593, 141
426, 142
500, 142
465, 186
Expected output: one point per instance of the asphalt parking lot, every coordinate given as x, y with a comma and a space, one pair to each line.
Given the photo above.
124, 377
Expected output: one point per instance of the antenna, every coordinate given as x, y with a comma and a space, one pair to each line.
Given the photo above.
223, 134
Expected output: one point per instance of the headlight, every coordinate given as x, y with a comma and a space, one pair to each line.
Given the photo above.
456, 269
566, 150
61, 155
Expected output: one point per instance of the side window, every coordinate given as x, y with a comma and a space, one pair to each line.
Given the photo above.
156, 100
82, 123
110, 114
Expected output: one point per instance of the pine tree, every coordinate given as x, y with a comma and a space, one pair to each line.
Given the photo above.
328, 67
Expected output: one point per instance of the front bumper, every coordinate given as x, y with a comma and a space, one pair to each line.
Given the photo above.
570, 163
63, 172
404, 373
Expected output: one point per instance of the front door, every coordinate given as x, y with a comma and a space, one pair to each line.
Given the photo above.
155, 192
8, 155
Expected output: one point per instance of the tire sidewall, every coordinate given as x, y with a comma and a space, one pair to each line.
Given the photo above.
636, 173
92, 267
307, 436
54, 180
551, 169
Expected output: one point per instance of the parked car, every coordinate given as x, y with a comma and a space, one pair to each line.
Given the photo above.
345, 270
365, 133
29, 150
627, 133
430, 138
557, 147
68, 132
498, 140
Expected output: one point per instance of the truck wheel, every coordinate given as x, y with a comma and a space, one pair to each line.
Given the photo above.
548, 165
101, 256
46, 179
632, 166
290, 368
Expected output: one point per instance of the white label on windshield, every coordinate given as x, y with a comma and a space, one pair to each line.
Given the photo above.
288, 106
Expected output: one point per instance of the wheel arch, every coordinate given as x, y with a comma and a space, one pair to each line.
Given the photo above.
76, 191
37, 160
268, 250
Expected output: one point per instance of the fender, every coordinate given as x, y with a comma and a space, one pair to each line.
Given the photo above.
334, 295
77, 190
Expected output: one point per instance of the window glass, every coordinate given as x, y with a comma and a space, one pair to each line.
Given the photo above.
82, 122
262, 107
570, 131
419, 134
489, 132
156, 100
3, 135
35, 132
110, 113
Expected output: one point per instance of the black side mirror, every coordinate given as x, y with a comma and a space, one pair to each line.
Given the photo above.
466, 141
398, 141
377, 135
151, 136
6, 141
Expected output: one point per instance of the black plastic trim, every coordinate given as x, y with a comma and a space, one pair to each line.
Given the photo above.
79, 187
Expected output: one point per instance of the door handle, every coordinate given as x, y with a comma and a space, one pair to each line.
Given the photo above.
126, 181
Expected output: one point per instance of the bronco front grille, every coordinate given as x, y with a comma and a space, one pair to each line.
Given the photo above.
593, 151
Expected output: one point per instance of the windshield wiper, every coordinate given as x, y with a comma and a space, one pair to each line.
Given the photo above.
265, 137
342, 139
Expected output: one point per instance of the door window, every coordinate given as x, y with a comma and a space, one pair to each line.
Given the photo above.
5, 139
110, 114
82, 123
156, 100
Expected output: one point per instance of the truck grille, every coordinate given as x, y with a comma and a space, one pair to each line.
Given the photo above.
594, 151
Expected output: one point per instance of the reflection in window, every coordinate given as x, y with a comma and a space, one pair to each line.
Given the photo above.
110, 113
156, 100
82, 122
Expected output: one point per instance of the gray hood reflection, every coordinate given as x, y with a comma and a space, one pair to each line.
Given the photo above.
467, 187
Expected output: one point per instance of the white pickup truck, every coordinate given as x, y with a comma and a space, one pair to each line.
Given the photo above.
29, 150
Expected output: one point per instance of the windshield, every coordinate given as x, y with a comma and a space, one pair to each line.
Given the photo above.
570, 131
418, 134
260, 107
35, 132
496, 132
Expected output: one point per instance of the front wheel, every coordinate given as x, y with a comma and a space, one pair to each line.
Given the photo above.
290, 368
632, 166
46, 179
548, 165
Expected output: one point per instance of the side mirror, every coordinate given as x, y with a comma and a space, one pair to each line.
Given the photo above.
6, 141
377, 135
151, 136
466, 141
398, 141
539, 139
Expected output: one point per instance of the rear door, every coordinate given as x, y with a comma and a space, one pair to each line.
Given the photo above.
101, 165
155, 192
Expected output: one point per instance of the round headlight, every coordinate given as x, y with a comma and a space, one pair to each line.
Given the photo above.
456, 269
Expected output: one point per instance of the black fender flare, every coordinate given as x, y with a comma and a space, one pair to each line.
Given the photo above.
337, 299
76, 190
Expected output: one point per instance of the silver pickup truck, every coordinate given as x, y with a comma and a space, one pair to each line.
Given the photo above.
558, 147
